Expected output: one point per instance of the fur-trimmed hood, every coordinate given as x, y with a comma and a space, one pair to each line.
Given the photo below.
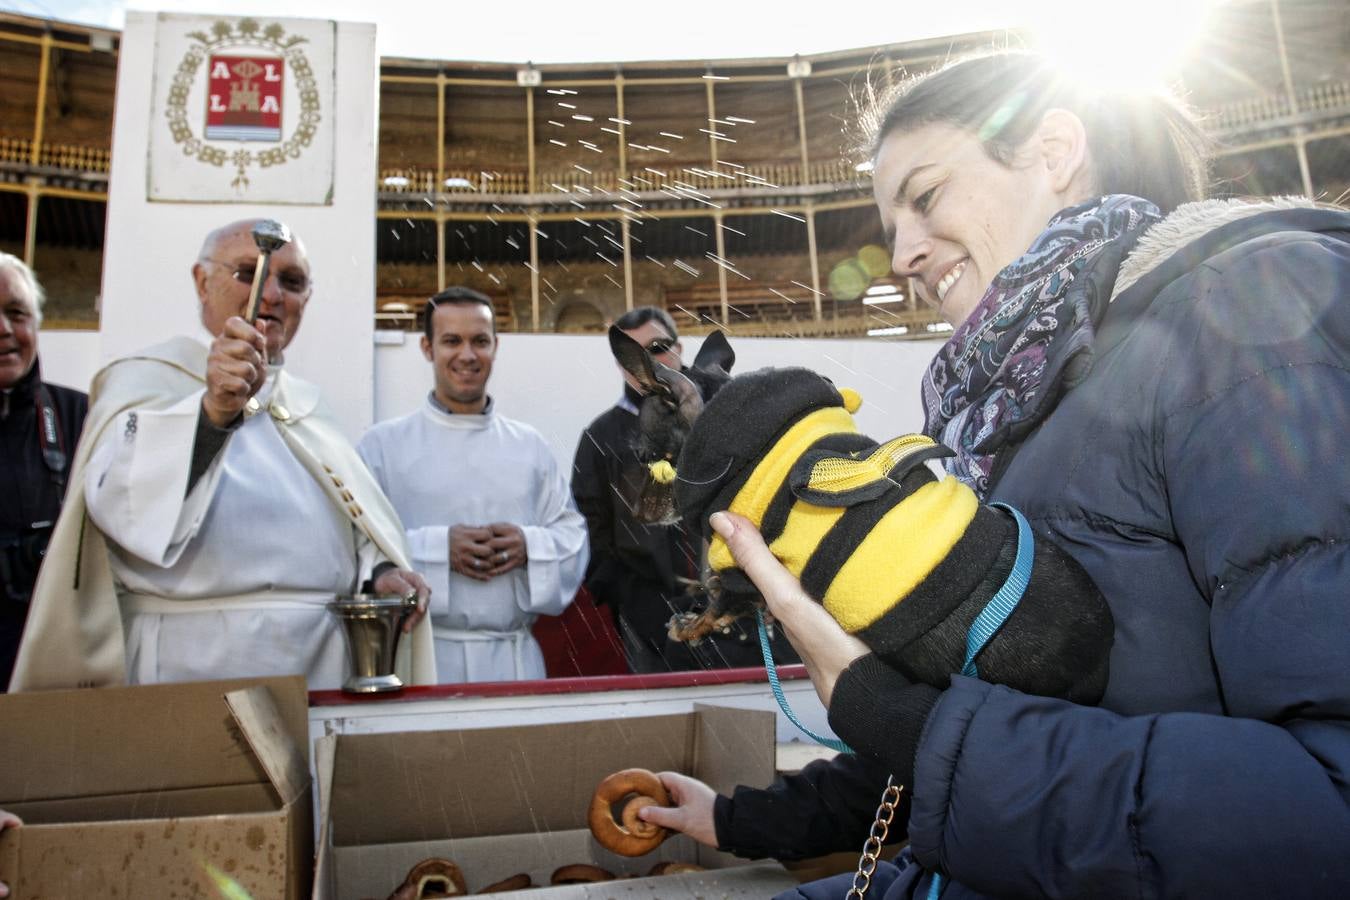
1188, 222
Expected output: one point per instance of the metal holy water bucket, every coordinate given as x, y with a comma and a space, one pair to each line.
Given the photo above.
373, 625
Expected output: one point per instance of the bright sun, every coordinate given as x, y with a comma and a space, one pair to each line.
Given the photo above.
1118, 46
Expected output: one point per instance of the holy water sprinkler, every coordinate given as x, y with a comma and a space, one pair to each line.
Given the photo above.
269, 235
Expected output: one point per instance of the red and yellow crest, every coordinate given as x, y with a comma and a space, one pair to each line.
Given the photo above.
243, 98
247, 66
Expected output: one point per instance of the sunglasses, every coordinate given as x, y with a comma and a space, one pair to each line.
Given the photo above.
659, 346
291, 282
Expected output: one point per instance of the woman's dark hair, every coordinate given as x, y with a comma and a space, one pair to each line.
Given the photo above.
1147, 145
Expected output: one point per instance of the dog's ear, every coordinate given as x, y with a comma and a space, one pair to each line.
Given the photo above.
635, 360
715, 354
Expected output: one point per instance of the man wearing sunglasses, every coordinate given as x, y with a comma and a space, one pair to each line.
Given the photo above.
641, 571
214, 508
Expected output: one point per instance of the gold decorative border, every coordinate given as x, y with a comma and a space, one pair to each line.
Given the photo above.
249, 33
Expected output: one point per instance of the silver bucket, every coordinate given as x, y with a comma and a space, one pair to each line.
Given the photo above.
373, 625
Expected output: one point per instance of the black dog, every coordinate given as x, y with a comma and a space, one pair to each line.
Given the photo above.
671, 403
902, 559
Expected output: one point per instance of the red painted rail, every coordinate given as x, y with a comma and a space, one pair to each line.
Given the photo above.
591, 684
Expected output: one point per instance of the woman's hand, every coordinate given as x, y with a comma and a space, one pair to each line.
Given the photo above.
692, 813
824, 647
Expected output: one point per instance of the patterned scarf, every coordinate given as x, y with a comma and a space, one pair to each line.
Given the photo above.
1030, 338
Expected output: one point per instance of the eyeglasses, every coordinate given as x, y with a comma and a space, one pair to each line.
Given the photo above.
291, 282
659, 346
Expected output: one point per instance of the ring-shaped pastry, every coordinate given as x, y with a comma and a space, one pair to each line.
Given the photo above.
514, 883
629, 836
580, 874
674, 868
433, 877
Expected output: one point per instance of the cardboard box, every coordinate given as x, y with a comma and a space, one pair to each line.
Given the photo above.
500, 801
159, 791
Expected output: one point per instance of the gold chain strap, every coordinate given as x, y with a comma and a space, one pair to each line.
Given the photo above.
867, 863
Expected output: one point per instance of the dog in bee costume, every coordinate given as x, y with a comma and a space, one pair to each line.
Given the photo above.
912, 564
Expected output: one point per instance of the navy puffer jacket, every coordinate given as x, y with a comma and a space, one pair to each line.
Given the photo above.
1200, 475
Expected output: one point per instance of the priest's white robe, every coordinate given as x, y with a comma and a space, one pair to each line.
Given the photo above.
441, 469
230, 579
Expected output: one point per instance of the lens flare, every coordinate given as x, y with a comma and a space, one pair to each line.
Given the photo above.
1158, 34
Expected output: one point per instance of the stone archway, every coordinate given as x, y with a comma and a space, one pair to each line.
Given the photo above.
580, 317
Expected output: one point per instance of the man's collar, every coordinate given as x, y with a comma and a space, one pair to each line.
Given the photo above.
26, 386
441, 407
631, 399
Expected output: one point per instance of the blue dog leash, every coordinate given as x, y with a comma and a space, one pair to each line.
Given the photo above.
985, 626
771, 670
1005, 600
992, 617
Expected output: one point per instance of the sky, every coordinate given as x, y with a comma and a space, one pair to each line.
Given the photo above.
595, 30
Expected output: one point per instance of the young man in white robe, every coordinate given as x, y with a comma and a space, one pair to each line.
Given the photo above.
490, 519
215, 509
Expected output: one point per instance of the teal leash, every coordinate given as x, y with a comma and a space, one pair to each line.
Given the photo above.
992, 617
771, 669
985, 626
1004, 601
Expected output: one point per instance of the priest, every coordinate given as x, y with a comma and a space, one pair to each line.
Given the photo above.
490, 518
215, 509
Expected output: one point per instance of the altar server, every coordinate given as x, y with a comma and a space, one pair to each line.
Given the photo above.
490, 519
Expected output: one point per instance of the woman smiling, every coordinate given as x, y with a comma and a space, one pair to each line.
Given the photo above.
1163, 387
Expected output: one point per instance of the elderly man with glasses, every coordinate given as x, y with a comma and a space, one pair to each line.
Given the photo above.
39, 425
224, 508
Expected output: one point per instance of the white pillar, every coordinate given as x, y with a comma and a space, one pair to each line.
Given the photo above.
147, 293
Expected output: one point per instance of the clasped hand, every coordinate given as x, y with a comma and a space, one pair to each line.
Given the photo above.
482, 552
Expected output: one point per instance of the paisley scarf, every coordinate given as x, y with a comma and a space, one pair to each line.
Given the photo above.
1030, 337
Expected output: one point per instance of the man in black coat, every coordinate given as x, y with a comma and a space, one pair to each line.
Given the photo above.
39, 425
642, 572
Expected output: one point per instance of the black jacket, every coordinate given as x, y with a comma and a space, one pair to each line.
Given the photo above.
633, 566
1199, 475
31, 492
827, 807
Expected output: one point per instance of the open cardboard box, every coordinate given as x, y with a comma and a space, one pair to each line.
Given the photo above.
500, 801
158, 791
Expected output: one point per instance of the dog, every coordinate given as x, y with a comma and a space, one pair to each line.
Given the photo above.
671, 403
901, 558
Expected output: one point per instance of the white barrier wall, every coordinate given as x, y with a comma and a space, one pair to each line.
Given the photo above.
69, 357
558, 383
147, 292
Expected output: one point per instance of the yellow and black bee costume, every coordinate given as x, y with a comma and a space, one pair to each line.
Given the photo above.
902, 559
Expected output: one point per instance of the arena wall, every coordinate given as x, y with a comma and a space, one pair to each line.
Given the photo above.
560, 382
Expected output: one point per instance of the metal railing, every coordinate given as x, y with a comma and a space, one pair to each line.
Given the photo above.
1227, 120
673, 177
1269, 110
69, 157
